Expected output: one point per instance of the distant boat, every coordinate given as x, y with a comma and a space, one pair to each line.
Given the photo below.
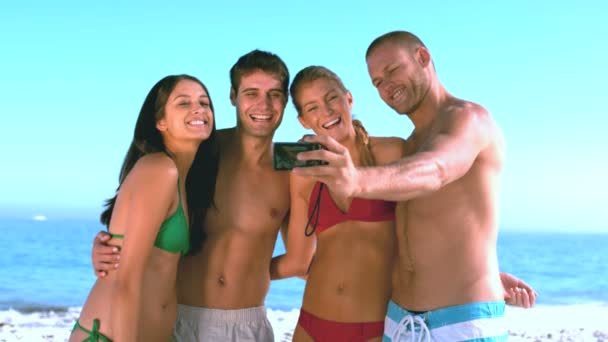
39, 218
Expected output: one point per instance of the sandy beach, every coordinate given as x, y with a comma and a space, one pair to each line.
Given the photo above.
588, 322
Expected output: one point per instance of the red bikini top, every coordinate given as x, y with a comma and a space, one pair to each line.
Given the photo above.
361, 209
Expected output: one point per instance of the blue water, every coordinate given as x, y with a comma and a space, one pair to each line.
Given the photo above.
46, 265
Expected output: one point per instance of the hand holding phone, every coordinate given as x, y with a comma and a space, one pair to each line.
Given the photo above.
284, 155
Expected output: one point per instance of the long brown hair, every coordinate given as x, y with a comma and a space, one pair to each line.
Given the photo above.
315, 72
200, 181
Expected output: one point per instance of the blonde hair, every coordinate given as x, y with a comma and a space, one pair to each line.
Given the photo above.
313, 73
406, 40
363, 145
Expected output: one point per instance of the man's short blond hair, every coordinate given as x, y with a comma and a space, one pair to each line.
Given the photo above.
404, 39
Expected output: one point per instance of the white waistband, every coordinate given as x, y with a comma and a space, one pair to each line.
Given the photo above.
414, 328
255, 314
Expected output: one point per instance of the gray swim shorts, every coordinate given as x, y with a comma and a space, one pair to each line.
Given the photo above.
195, 324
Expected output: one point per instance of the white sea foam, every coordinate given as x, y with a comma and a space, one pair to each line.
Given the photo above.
37, 326
584, 322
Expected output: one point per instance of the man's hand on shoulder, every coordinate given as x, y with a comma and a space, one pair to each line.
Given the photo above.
105, 257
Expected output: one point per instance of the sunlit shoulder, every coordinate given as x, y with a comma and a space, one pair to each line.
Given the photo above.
155, 168
388, 149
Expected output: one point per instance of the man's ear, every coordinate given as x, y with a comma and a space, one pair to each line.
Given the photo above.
423, 56
232, 96
303, 122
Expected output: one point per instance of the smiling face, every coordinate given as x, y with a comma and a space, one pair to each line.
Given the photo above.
399, 74
187, 113
325, 107
260, 102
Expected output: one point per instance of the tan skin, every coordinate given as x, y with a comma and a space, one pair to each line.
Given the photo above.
141, 308
231, 271
350, 278
447, 186
214, 277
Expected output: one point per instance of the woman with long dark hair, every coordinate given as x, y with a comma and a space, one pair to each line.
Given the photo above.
156, 215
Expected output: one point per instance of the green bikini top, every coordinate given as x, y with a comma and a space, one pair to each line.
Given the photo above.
174, 233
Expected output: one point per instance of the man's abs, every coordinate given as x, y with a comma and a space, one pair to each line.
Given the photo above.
231, 272
443, 261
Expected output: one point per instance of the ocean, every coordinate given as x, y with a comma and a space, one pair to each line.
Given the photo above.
46, 271
46, 266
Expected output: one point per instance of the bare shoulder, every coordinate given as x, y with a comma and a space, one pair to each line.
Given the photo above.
457, 111
388, 149
155, 168
473, 120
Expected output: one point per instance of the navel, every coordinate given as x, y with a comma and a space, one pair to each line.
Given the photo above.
221, 282
340, 289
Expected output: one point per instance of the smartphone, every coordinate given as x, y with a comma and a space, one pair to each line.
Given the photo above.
284, 155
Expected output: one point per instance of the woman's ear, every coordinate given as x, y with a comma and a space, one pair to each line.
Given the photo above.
161, 125
349, 99
303, 122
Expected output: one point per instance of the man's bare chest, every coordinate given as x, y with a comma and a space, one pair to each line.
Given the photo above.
249, 200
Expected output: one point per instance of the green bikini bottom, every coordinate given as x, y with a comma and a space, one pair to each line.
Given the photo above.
94, 334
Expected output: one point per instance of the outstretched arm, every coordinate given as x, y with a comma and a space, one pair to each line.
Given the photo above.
148, 192
299, 247
444, 157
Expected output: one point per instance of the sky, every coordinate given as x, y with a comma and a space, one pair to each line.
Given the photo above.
73, 75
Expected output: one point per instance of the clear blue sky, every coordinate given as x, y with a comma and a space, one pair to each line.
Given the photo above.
73, 75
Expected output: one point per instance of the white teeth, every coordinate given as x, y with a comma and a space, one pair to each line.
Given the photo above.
197, 122
396, 94
332, 123
261, 117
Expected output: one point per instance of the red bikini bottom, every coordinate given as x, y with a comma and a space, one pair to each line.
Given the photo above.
322, 330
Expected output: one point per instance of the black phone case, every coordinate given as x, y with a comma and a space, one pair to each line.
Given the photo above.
284, 156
